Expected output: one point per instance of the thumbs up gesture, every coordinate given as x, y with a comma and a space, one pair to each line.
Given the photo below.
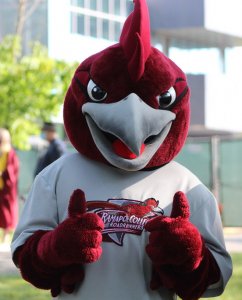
75, 240
174, 240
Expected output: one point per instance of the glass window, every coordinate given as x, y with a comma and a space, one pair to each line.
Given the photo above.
80, 24
105, 6
80, 3
93, 26
72, 30
117, 7
73, 22
105, 29
129, 7
93, 4
117, 31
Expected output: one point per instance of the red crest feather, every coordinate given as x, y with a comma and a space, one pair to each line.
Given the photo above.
135, 39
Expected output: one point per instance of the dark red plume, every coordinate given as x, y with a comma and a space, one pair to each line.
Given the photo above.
135, 39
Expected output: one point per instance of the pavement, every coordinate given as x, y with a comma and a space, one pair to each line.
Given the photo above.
233, 241
7, 266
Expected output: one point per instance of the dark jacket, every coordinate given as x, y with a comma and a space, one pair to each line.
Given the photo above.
56, 149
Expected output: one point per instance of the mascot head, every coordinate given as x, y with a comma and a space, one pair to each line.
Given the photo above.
128, 105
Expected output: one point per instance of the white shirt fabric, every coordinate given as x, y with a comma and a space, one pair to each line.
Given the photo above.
123, 271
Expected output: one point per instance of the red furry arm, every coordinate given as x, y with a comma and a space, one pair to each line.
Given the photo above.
52, 259
189, 286
182, 262
35, 271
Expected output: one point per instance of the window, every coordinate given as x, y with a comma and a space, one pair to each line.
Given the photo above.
117, 7
80, 3
117, 31
93, 4
105, 6
93, 26
109, 29
80, 24
129, 7
73, 20
105, 33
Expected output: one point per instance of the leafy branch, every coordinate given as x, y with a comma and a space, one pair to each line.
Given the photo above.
32, 89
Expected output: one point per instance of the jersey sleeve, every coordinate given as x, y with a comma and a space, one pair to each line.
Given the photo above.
39, 212
206, 217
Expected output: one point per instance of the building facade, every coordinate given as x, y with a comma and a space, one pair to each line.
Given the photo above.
35, 26
202, 37
85, 26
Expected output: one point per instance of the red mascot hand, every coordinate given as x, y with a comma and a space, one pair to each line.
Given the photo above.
174, 240
75, 240
53, 259
181, 261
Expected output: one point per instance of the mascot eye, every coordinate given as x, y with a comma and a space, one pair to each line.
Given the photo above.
95, 92
167, 98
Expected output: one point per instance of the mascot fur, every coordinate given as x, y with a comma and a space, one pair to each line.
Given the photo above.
146, 227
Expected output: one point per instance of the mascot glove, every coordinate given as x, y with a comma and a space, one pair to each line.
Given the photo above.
75, 240
174, 240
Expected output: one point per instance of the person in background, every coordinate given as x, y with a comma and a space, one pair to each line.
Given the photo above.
55, 150
9, 167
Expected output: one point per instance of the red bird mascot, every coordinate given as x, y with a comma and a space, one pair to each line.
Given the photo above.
146, 228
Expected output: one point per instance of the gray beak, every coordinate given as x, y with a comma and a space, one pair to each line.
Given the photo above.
132, 121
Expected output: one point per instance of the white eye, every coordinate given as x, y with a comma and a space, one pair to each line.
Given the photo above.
167, 98
95, 92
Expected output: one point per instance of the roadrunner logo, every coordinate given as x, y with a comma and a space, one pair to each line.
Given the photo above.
122, 216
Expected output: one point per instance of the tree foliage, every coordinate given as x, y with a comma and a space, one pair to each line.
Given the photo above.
32, 88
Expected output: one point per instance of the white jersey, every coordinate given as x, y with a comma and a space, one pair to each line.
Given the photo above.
124, 270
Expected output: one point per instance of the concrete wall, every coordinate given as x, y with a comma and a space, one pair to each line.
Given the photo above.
223, 16
176, 13
217, 15
216, 101
223, 105
196, 84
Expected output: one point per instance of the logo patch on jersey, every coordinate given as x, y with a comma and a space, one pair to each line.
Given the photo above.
122, 216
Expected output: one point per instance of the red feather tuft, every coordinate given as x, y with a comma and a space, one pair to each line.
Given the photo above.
135, 39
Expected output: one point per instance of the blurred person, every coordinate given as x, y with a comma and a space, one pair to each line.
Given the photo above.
9, 166
55, 150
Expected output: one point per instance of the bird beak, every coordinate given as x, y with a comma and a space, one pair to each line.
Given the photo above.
130, 120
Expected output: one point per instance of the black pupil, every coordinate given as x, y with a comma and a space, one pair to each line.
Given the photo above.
98, 93
165, 99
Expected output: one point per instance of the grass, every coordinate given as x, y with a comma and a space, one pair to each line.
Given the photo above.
233, 290
15, 288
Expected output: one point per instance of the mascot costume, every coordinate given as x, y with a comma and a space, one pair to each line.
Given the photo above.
120, 219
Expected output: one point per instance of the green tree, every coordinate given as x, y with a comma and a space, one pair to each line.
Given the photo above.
32, 88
